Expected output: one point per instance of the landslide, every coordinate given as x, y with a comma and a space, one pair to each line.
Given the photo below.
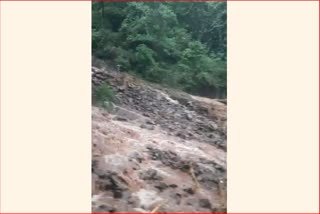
157, 149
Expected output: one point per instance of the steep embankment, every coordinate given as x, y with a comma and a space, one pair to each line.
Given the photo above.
159, 149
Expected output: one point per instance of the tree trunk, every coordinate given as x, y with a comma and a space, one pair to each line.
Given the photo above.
102, 14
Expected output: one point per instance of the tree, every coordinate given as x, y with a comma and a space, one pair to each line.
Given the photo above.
173, 43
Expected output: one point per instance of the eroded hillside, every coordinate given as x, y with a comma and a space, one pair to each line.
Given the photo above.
158, 149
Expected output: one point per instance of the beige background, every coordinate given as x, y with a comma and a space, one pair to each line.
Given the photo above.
45, 106
273, 87
273, 107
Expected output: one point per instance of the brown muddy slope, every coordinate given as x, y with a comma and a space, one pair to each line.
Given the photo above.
157, 152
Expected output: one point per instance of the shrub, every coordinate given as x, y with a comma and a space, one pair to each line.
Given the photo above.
104, 96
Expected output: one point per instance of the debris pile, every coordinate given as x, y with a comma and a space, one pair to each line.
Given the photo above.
157, 151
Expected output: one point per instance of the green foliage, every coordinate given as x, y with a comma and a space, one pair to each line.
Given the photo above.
180, 44
104, 96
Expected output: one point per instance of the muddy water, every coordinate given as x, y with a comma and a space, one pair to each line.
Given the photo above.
138, 169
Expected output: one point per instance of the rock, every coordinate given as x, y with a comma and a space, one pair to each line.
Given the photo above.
148, 198
133, 201
161, 186
136, 156
181, 134
112, 184
114, 163
136, 167
213, 126
150, 174
190, 134
119, 118
121, 88
205, 203
207, 174
169, 158
189, 116
211, 136
189, 190
146, 126
191, 201
146, 114
189, 103
150, 122
173, 185
105, 208
122, 112
176, 197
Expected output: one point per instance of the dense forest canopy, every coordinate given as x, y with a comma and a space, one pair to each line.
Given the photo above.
179, 44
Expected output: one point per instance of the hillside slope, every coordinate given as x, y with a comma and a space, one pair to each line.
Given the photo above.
159, 149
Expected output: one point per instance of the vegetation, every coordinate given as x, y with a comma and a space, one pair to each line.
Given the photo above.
180, 44
104, 96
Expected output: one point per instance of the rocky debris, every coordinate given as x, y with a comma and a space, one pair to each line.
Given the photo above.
136, 156
124, 113
120, 118
169, 158
189, 116
183, 115
207, 172
189, 190
98, 76
105, 208
112, 182
147, 126
161, 186
214, 109
147, 198
150, 174
205, 203
156, 148
150, 122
